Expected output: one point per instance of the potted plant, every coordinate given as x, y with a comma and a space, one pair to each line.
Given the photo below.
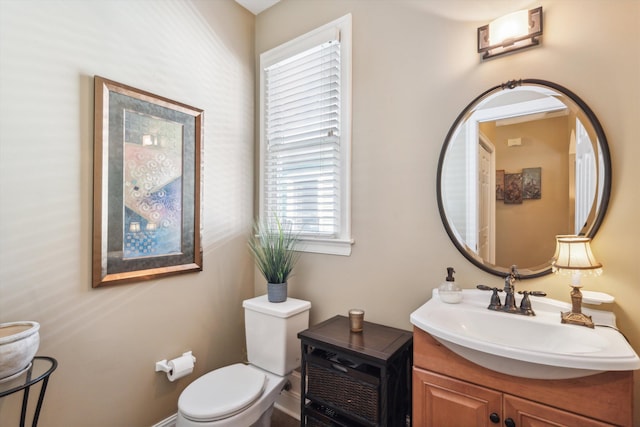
273, 247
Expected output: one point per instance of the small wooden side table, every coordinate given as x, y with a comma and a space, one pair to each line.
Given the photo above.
355, 379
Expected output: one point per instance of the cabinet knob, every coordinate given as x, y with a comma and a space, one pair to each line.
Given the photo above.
494, 418
509, 422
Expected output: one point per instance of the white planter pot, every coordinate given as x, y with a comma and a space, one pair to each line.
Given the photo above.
19, 342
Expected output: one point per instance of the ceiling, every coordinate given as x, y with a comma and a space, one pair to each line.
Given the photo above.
257, 6
459, 10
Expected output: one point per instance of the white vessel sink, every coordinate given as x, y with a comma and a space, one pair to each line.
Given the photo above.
526, 346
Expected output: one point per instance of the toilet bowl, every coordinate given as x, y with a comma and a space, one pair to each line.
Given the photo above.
243, 395
234, 396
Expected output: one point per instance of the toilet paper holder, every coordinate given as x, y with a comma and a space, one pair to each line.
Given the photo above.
163, 365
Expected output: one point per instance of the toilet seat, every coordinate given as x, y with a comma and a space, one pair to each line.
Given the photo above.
222, 393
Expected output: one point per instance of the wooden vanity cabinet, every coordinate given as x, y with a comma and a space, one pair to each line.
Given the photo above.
450, 391
442, 401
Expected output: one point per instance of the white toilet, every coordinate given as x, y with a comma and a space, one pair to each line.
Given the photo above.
243, 395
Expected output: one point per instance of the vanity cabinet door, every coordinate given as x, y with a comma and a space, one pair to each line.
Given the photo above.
526, 413
440, 401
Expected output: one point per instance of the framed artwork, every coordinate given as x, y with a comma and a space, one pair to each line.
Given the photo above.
532, 183
512, 188
147, 163
500, 184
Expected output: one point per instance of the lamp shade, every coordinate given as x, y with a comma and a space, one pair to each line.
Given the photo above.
573, 253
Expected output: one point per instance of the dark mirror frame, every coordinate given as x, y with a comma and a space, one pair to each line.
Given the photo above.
606, 161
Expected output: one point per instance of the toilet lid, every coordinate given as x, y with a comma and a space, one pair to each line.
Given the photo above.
221, 393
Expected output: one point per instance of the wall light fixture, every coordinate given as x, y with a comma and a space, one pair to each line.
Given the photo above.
510, 33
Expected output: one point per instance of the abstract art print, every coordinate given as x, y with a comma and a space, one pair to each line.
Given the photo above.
147, 163
512, 188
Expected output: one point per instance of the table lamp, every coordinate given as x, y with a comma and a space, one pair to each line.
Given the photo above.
574, 257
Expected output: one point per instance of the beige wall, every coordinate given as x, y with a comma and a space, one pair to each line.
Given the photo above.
414, 69
108, 340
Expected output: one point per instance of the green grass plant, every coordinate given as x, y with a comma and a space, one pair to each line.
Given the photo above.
273, 247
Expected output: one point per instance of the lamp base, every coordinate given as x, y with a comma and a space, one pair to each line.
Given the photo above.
575, 316
576, 319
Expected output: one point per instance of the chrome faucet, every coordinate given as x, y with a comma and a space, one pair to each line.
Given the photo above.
510, 299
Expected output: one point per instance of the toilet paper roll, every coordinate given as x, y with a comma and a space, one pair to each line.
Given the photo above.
180, 367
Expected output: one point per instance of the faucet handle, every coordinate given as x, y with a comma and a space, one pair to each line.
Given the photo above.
525, 304
533, 293
495, 299
488, 288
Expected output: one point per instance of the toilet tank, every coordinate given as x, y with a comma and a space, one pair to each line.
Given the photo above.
272, 332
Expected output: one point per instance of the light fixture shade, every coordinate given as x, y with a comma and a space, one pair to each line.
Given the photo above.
573, 253
509, 27
509, 33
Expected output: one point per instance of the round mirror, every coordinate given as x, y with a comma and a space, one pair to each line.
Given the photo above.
525, 161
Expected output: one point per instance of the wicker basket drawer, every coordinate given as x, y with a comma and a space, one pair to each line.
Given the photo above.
350, 390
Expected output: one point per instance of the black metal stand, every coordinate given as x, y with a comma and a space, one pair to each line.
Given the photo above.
39, 371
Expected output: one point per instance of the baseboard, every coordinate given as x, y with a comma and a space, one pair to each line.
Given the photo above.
289, 400
167, 422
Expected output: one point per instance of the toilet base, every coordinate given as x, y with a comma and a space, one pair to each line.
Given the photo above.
265, 419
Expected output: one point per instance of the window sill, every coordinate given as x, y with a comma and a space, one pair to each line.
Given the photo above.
325, 246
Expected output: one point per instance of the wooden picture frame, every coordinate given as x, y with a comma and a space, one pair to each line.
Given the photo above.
147, 165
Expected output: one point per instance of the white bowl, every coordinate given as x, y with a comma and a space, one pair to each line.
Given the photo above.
19, 342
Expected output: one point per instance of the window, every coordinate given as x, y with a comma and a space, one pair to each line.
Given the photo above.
305, 133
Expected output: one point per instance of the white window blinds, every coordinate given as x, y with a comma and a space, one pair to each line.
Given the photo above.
302, 128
